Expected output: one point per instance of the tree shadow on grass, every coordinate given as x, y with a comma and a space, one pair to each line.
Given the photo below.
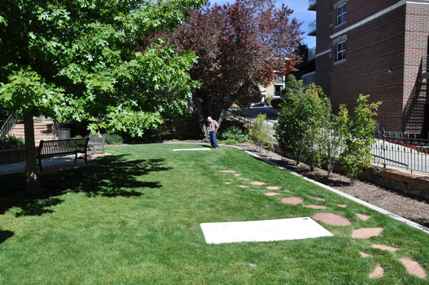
4, 235
111, 176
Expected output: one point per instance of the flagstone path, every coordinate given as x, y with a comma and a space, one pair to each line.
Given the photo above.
364, 254
332, 219
271, 194
384, 247
316, 207
363, 217
292, 201
366, 233
274, 188
411, 266
377, 273
257, 183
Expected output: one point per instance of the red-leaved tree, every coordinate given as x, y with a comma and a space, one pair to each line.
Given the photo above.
240, 46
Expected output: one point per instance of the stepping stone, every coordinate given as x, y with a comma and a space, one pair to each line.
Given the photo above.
271, 194
237, 174
377, 273
342, 206
384, 247
227, 171
413, 267
243, 186
332, 219
363, 217
364, 254
228, 183
366, 233
274, 188
317, 198
257, 183
316, 207
292, 201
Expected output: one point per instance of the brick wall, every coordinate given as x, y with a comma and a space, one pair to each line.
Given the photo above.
383, 55
358, 9
323, 72
416, 44
323, 22
374, 65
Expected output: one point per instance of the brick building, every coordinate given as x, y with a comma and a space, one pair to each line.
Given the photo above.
376, 47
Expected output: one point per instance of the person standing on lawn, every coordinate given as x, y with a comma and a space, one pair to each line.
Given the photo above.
213, 127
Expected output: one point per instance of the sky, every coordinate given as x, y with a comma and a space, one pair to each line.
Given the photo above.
301, 12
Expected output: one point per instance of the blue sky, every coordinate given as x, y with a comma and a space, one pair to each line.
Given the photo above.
301, 12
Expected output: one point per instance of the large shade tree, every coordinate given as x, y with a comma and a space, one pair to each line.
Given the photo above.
77, 60
240, 46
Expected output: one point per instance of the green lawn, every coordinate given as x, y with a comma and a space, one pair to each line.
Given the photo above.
134, 219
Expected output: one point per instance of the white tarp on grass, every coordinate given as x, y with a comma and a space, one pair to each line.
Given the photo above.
193, 149
263, 231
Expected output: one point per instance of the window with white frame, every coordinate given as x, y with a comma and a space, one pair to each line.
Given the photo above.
340, 50
341, 13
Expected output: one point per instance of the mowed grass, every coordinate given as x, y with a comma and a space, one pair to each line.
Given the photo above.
134, 218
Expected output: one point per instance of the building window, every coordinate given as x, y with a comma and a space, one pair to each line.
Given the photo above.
340, 50
341, 13
278, 90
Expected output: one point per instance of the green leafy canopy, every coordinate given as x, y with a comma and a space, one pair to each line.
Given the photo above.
79, 61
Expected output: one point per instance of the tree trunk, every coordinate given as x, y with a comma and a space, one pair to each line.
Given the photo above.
31, 171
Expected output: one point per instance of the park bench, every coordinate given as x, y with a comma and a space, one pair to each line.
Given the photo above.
56, 148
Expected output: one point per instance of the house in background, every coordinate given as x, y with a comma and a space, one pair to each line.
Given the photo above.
377, 47
273, 91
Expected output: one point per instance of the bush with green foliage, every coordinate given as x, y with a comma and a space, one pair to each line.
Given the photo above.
10, 142
361, 136
234, 135
302, 118
308, 130
334, 138
260, 133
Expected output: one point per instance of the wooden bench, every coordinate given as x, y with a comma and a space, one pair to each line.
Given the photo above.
55, 148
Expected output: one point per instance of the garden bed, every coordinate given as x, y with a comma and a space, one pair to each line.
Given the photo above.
392, 199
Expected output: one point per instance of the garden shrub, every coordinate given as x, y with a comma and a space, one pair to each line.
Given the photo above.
233, 135
302, 118
334, 138
362, 126
309, 131
260, 133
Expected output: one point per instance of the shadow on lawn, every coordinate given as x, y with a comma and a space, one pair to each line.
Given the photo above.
111, 176
4, 235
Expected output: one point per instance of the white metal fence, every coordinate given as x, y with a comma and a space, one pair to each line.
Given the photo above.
392, 154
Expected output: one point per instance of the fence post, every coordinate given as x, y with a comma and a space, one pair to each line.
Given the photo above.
384, 150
